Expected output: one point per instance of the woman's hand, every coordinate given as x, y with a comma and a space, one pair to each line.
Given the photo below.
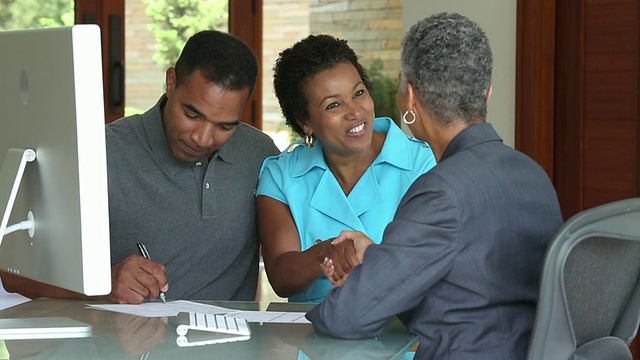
330, 272
346, 252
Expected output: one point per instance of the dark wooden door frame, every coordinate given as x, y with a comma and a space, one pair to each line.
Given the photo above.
245, 22
535, 67
537, 132
109, 15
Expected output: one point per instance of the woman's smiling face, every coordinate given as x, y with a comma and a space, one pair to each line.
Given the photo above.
341, 110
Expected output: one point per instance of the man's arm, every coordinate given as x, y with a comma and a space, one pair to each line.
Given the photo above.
136, 278
35, 289
132, 280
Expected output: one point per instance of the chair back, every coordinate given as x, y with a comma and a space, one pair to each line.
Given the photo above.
589, 304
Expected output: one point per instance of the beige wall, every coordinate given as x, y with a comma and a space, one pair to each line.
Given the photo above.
498, 19
372, 28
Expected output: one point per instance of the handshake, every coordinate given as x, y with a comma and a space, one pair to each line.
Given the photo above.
343, 253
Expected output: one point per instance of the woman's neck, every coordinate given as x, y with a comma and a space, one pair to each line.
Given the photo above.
348, 169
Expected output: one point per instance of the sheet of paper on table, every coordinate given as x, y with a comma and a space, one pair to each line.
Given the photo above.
8, 300
172, 308
160, 309
271, 317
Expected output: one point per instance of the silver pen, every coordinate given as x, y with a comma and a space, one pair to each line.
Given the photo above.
145, 254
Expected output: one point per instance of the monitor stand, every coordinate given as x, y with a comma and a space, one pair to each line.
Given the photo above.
11, 173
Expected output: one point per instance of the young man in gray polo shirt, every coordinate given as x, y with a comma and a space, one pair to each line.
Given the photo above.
182, 180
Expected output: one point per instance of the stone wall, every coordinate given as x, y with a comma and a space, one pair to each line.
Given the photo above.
373, 28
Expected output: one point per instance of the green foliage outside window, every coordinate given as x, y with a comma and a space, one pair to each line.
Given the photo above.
174, 21
383, 91
29, 14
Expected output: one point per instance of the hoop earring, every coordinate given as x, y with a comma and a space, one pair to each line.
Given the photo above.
404, 117
309, 140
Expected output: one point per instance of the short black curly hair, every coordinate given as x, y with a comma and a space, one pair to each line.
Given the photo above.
305, 59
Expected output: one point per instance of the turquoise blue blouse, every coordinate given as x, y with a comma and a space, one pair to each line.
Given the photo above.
300, 178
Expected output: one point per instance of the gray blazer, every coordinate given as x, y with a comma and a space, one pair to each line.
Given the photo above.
460, 264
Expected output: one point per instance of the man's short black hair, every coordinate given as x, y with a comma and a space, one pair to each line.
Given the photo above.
222, 58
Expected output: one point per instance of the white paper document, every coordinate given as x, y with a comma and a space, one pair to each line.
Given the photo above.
172, 308
160, 309
270, 317
8, 300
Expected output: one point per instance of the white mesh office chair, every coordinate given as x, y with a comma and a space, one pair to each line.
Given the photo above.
589, 305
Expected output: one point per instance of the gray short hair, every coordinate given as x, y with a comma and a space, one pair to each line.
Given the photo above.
447, 59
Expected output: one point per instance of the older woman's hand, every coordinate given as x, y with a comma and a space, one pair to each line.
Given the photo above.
360, 242
346, 252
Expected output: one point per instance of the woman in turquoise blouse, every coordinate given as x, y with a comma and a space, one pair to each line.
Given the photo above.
349, 173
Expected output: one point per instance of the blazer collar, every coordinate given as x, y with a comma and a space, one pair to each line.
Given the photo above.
471, 136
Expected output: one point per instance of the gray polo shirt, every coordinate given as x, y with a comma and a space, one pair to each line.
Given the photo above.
198, 219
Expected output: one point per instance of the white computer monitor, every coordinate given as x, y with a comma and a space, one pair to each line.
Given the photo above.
51, 102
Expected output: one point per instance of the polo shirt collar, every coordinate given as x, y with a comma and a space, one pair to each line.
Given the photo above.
226, 153
157, 139
314, 157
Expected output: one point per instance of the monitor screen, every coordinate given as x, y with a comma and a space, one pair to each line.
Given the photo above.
51, 102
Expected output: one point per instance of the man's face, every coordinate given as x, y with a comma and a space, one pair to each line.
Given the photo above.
200, 116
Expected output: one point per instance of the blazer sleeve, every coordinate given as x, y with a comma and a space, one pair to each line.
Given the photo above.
418, 249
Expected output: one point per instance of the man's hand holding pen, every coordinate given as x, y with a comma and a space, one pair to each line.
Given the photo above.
136, 278
145, 254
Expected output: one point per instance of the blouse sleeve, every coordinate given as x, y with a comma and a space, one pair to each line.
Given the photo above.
271, 179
